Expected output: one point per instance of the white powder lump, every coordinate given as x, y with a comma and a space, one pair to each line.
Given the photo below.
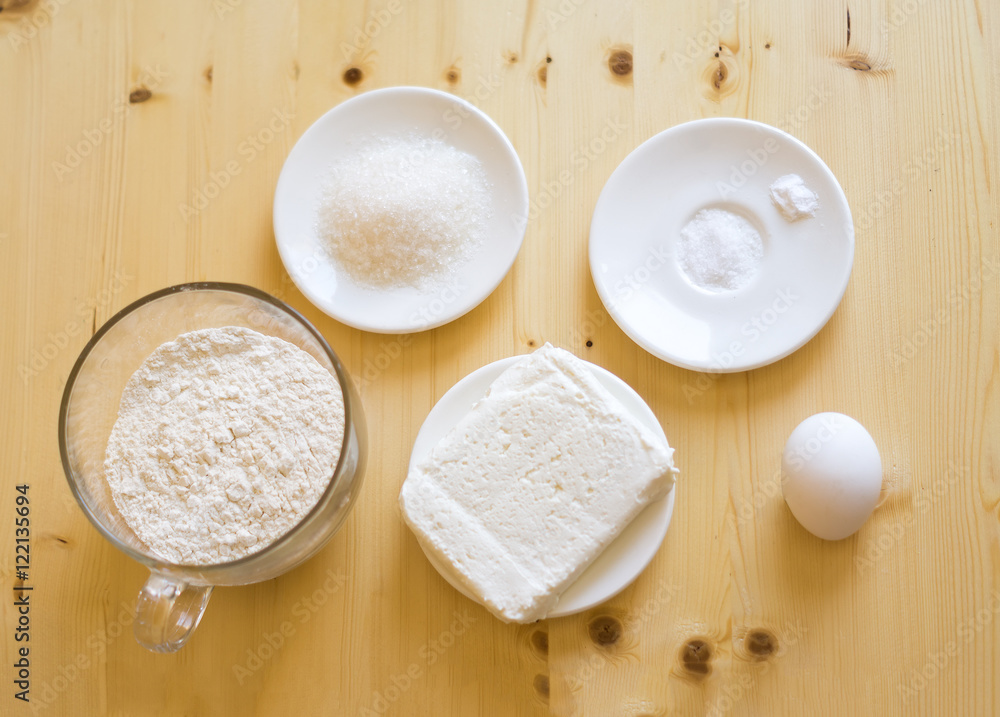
793, 198
719, 250
404, 211
225, 440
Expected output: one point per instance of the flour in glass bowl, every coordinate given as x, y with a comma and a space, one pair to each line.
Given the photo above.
225, 440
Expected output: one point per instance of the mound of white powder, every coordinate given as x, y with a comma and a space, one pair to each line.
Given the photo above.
403, 211
719, 250
225, 439
793, 198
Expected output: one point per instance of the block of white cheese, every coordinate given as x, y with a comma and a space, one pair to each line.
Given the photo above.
533, 483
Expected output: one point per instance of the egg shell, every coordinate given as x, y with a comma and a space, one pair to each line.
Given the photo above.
831, 475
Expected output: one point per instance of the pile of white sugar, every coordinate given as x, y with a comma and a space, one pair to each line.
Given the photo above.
719, 250
793, 198
225, 440
403, 211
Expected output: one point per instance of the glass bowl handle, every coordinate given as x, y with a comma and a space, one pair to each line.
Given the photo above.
167, 612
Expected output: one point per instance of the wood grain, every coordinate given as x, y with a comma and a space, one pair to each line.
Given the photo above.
116, 115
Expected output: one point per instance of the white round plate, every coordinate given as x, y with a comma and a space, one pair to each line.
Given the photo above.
725, 164
628, 555
398, 110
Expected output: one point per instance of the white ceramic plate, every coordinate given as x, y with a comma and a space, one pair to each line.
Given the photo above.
398, 110
726, 164
628, 555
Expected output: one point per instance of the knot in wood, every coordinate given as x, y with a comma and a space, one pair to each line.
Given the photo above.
605, 630
541, 684
139, 94
353, 75
620, 63
696, 656
761, 644
719, 75
540, 641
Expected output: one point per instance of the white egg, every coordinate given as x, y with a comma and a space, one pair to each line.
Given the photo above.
832, 475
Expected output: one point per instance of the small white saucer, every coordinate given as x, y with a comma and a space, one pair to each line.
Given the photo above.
719, 164
627, 556
398, 110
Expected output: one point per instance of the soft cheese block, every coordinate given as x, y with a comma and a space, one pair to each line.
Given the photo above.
533, 483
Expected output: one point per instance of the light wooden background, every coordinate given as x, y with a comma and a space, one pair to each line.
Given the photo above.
742, 611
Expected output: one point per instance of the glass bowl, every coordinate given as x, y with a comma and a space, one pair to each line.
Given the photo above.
171, 603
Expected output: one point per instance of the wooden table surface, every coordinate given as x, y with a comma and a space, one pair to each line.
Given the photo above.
140, 143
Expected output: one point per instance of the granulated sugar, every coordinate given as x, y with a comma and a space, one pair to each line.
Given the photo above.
793, 198
225, 440
404, 211
719, 250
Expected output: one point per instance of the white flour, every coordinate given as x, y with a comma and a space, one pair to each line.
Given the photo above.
225, 439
